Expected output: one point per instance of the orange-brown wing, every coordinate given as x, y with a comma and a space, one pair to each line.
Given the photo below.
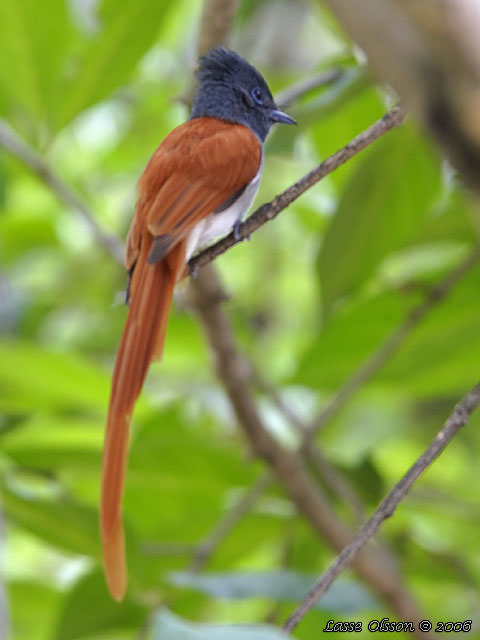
198, 166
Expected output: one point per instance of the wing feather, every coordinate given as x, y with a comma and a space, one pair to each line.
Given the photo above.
198, 166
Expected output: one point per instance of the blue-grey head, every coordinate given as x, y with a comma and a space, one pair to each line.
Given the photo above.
232, 89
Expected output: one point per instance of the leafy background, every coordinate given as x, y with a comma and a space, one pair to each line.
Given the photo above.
93, 87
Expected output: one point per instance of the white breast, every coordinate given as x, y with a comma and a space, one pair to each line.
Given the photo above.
219, 224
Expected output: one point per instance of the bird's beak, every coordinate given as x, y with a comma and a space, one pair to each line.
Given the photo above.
279, 116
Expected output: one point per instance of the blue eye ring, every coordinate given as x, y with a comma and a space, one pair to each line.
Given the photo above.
257, 95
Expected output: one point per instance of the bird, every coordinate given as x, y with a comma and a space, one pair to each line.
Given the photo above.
197, 186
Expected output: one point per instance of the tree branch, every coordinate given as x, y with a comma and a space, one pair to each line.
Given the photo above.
11, 141
429, 52
233, 372
291, 94
457, 419
215, 23
393, 118
34, 161
366, 371
330, 476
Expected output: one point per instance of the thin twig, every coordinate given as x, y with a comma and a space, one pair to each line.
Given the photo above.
457, 419
393, 118
337, 484
291, 94
284, 407
330, 476
19, 148
205, 550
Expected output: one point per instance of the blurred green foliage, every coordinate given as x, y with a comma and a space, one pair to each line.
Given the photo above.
94, 86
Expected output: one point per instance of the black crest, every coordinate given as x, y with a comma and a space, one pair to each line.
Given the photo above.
232, 89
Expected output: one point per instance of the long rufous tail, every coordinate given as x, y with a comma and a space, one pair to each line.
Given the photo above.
142, 341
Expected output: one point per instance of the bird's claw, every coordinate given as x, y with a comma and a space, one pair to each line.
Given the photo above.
236, 230
193, 271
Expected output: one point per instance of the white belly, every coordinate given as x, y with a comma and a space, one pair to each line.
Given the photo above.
219, 224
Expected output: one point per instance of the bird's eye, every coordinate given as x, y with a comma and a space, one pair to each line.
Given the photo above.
257, 95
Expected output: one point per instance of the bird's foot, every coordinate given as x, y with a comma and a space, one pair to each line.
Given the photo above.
193, 271
236, 230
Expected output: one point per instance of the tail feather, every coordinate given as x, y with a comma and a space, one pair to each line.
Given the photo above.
142, 340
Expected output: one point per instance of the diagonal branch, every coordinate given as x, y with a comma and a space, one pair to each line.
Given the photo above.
291, 94
457, 419
34, 161
392, 119
18, 147
206, 549
328, 473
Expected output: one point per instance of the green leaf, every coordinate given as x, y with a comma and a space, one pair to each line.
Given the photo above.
127, 31
348, 338
343, 597
381, 207
189, 482
32, 378
34, 40
33, 609
50, 443
167, 626
453, 220
89, 610
441, 356
20, 234
67, 525
178, 493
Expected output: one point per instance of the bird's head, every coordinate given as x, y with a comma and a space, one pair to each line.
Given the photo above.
231, 89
